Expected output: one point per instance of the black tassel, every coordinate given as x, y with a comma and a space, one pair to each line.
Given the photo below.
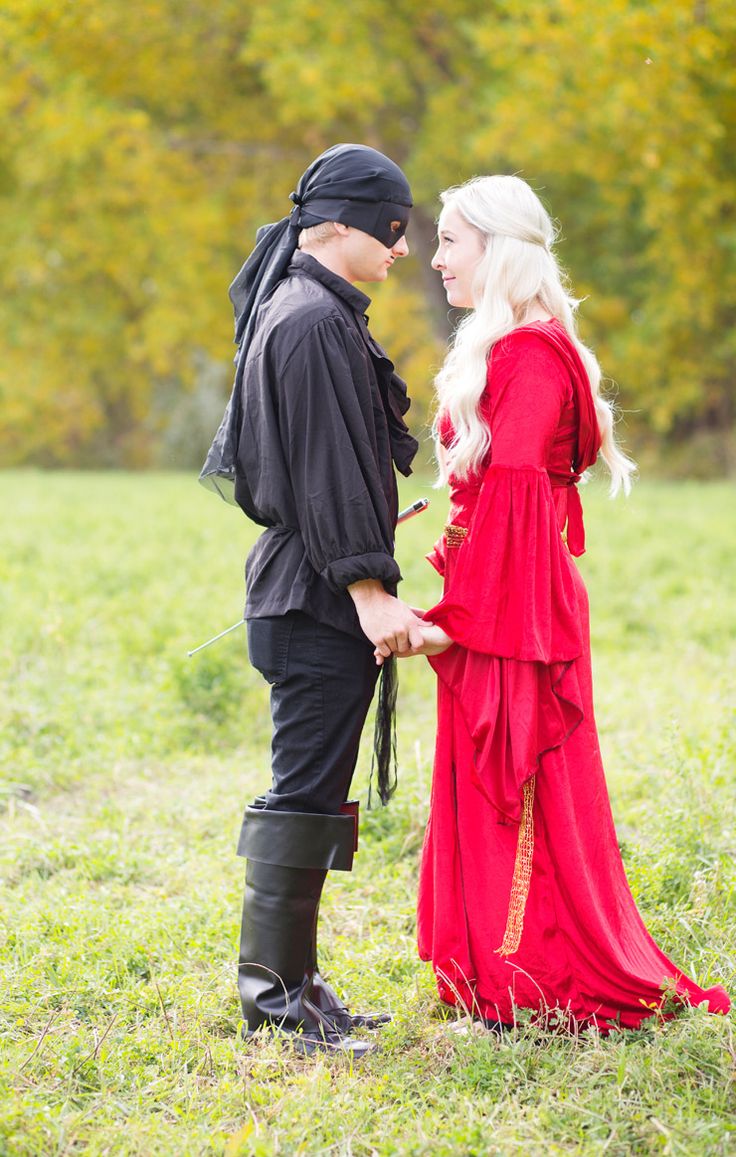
384, 734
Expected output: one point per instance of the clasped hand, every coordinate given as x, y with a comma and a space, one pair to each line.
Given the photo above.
434, 642
393, 627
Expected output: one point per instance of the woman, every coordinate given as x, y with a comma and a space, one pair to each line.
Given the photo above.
523, 900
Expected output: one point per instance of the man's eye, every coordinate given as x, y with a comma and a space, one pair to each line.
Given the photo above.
395, 226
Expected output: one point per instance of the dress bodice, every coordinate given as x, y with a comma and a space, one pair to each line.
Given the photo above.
463, 492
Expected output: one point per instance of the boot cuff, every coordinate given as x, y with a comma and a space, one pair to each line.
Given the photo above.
298, 839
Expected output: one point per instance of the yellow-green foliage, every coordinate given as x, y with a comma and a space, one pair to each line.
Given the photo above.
143, 143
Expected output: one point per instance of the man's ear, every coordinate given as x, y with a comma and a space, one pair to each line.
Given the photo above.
341, 229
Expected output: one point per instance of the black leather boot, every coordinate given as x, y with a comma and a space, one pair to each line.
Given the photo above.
288, 855
322, 994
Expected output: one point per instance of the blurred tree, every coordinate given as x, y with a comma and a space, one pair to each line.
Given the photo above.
627, 123
144, 143
114, 234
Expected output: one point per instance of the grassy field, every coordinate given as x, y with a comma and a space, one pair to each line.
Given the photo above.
125, 767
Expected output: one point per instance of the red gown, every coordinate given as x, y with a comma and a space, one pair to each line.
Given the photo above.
523, 899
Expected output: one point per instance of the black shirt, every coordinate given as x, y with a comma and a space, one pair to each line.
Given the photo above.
322, 427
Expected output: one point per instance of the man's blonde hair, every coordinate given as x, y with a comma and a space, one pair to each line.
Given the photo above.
317, 234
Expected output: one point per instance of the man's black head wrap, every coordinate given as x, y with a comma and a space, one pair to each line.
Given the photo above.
353, 184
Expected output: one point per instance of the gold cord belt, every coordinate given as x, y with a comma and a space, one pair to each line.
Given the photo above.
454, 535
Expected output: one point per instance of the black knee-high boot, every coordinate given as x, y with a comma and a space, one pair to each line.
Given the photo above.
288, 856
323, 994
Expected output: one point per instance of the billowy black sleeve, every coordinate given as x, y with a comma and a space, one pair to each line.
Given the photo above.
326, 415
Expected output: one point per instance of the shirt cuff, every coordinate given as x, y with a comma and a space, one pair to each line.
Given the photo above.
344, 571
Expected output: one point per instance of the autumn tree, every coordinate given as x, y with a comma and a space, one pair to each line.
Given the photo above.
144, 143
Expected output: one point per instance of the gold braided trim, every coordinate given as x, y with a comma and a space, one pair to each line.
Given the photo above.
454, 535
522, 873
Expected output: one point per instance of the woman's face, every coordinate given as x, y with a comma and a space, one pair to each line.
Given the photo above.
458, 255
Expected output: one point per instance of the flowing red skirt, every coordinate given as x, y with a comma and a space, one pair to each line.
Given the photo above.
584, 955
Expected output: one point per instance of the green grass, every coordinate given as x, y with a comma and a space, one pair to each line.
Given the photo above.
125, 767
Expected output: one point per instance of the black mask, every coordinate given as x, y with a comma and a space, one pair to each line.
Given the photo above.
384, 220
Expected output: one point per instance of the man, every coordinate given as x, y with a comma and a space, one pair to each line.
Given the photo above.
309, 442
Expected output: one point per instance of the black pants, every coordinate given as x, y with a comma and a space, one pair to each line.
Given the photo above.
322, 682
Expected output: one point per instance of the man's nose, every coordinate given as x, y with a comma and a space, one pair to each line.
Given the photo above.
401, 248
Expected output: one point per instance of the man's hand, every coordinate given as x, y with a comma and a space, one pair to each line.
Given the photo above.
389, 623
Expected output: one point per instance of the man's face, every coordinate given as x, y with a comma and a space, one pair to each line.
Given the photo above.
367, 259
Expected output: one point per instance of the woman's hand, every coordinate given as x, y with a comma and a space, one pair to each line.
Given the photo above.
434, 642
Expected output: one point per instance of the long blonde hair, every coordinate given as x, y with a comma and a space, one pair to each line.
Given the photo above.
517, 272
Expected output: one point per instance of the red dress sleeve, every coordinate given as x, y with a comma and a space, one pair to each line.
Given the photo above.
511, 595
